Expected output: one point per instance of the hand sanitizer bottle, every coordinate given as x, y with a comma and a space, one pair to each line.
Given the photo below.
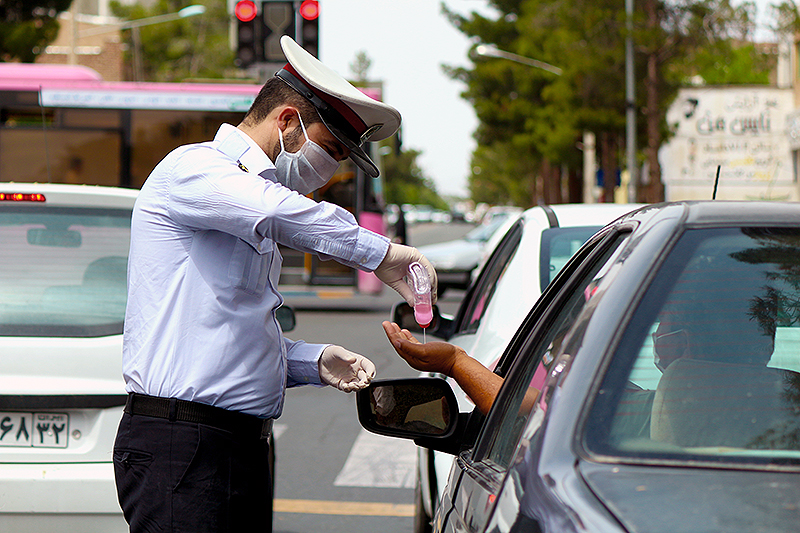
420, 284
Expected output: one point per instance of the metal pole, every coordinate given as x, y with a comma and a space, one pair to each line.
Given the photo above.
630, 107
189, 11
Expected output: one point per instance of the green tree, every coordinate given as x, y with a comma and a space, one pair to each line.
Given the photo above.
536, 119
505, 187
194, 47
743, 62
677, 39
531, 116
27, 27
360, 67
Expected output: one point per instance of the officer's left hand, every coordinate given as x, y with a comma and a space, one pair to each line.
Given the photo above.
345, 370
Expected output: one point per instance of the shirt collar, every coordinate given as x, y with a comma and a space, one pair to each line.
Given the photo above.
240, 147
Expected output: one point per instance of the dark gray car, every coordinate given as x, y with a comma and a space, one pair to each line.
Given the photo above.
655, 386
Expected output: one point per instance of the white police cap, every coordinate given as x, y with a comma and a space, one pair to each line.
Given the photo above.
351, 116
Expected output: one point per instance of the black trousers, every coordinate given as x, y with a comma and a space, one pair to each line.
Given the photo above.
178, 477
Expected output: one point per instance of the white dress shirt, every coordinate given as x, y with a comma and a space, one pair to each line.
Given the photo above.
203, 276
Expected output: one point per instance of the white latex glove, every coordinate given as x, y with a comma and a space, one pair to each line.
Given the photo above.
345, 370
394, 268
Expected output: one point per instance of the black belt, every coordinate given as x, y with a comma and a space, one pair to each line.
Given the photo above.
199, 413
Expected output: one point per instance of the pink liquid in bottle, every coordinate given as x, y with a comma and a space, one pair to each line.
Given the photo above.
420, 284
423, 313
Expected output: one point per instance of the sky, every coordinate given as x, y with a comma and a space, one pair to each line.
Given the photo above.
408, 41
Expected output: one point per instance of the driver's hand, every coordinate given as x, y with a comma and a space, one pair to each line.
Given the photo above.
430, 357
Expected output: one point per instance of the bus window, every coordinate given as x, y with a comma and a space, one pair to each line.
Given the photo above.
155, 133
73, 156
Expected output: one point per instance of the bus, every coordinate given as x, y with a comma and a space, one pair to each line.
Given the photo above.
65, 124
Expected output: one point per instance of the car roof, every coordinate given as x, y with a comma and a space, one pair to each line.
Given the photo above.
741, 212
62, 194
571, 215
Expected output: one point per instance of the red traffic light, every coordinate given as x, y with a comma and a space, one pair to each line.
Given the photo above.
245, 10
309, 9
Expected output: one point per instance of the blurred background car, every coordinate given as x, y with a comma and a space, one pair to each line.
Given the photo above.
455, 260
531, 249
654, 386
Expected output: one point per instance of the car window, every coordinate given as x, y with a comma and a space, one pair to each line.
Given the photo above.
539, 354
63, 271
709, 367
557, 247
478, 298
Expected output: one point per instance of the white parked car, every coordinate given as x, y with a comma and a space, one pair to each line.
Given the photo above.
63, 290
535, 248
62, 304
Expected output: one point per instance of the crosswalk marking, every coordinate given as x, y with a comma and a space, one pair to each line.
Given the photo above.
377, 461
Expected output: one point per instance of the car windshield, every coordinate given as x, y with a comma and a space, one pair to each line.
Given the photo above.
558, 245
709, 367
63, 271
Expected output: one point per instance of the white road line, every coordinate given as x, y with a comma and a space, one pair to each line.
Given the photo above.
377, 461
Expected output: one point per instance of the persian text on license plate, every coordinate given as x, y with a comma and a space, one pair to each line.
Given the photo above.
45, 430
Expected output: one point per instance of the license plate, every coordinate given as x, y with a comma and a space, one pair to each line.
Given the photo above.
38, 430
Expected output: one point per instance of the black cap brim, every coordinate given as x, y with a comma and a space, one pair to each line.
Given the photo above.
357, 153
335, 124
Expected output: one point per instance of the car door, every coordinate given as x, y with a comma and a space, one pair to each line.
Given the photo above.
477, 474
434, 466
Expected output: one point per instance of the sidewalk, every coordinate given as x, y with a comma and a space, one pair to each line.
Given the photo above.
308, 298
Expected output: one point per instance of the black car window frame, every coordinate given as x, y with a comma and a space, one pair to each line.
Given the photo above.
472, 459
487, 280
508, 357
517, 360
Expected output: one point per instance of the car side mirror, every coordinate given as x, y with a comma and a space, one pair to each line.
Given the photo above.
441, 326
286, 318
408, 408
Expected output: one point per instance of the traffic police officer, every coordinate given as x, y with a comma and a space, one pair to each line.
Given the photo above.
204, 359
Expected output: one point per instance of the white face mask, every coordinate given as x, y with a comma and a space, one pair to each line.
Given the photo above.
307, 169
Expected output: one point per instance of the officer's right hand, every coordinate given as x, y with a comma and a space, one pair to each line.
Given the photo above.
394, 268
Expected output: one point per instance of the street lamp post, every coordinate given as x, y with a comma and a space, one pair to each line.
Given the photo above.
491, 51
188, 11
134, 25
630, 107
